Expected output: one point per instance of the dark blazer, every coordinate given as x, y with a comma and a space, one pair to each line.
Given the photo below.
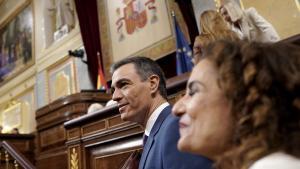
160, 150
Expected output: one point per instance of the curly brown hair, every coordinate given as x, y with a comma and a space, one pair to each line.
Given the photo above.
262, 82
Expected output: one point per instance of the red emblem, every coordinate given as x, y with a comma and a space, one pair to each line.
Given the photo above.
134, 15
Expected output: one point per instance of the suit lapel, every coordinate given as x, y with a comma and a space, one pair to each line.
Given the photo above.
145, 153
154, 131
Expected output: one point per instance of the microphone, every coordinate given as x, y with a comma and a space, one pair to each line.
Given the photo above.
79, 53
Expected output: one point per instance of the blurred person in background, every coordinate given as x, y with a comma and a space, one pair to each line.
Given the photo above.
213, 27
248, 23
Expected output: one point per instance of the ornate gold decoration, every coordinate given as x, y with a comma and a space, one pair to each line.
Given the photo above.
17, 9
155, 51
61, 79
12, 116
74, 159
26, 118
62, 85
16, 164
6, 159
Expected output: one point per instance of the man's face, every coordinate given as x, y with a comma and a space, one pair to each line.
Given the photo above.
132, 94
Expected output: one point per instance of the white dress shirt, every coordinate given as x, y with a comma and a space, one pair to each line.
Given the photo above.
277, 160
153, 117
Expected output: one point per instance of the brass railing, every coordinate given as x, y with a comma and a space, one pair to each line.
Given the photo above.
11, 158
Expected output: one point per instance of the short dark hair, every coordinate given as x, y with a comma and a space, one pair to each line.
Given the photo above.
145, 67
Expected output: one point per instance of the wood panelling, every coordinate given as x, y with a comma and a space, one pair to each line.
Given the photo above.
112, 155
74, 133
52, 161
47, 137
105, 139
115, 121
48, 118
24, 143
105, 162
51, 134
94, 127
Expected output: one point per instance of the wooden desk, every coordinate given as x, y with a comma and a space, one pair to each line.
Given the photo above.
101, 140
51, 151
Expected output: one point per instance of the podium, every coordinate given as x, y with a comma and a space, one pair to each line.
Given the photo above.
51, 151
101, 140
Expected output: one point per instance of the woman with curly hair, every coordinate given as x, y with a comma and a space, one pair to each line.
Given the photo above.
242, 106
213, 27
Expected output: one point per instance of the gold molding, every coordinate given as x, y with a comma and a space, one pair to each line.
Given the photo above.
61, 83
155, 51
13, 109
56, 68
74, 162
21, 8
25, 83
27, 100
18, 7
57, 52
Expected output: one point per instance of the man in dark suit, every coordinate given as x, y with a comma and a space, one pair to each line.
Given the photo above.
139, 87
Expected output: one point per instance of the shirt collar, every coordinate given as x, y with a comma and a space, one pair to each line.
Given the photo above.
153, 117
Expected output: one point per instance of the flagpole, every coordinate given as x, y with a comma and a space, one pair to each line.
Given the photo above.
183, 50
176, 40
98, 56
100, 76
99, 67
173, 17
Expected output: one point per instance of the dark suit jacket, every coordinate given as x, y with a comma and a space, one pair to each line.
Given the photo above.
160, 151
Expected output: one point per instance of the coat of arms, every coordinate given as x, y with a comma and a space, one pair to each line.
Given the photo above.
134, 16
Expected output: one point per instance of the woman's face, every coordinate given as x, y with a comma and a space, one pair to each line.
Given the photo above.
205, 121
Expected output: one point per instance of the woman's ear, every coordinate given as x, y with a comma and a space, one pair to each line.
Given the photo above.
154, 83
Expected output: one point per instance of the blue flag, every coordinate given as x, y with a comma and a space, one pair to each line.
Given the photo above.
183, 51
